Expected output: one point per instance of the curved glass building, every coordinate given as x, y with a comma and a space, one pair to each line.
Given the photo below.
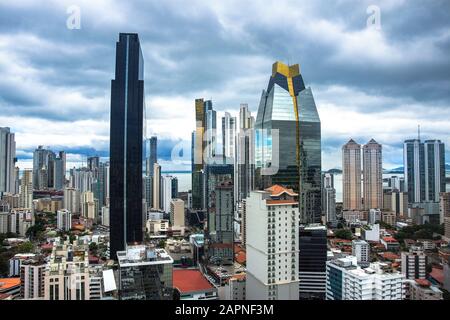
288, 147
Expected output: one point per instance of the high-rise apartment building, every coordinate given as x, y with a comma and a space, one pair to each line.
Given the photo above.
288, 140
414, 263
372, 175
126, 144
329, 198
156, 186
64, 220
88, 206
444, 212
177, 216
32, 273
221, 225
228, 136
151, 147
167, 192
67, 272
7, 161
351, 175
244, 164
72, 200
26, 189
272, 237
361, 250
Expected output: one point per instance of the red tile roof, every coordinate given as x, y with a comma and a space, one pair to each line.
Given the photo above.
277, 190
390, 239
437, 274
186, 280
423, 282
390, 256
9, 283
241, 257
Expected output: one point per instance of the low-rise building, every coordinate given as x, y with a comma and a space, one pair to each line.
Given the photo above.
347, 281
10, 287
157, 227
235, 288
361, 250
390, 243
422, 289
192, 285
145, 273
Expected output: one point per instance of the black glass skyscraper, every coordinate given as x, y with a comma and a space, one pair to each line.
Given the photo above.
126, 144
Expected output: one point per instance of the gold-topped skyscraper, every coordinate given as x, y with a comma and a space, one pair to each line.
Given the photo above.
288, 147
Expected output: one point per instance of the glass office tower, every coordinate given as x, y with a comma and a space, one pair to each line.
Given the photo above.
126, 144
288, 147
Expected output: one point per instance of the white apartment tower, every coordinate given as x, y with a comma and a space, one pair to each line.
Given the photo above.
272, 234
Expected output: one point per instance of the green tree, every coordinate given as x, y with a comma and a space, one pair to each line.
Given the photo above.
25, 247
344, 234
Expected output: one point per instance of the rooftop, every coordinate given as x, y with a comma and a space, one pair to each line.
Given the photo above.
142, 255
277, 190
9, 283
390, 240
189, 280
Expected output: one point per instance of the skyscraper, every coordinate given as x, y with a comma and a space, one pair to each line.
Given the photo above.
126, 140
434, 169
351, 175
60, 171
424, 165
26, 189
329, 198
156, 186
7, 160
228, 135
244, 164
211, 129
152, 154
372, 175
414, 170
198, 145
40, 168
288, 145
203, 148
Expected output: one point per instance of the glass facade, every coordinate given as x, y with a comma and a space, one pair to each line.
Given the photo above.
312, 263
126, 144
146, 282
288, 140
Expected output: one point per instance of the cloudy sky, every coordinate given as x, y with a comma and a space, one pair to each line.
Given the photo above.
368, 83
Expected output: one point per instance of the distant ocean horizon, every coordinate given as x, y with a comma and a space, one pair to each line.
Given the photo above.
184, 181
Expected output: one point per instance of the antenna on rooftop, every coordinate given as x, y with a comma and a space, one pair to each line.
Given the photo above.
418, 131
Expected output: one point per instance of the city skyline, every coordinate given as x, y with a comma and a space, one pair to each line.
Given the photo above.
335, 187
72, 100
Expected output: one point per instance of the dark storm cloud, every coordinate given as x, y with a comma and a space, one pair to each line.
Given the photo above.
225, 51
